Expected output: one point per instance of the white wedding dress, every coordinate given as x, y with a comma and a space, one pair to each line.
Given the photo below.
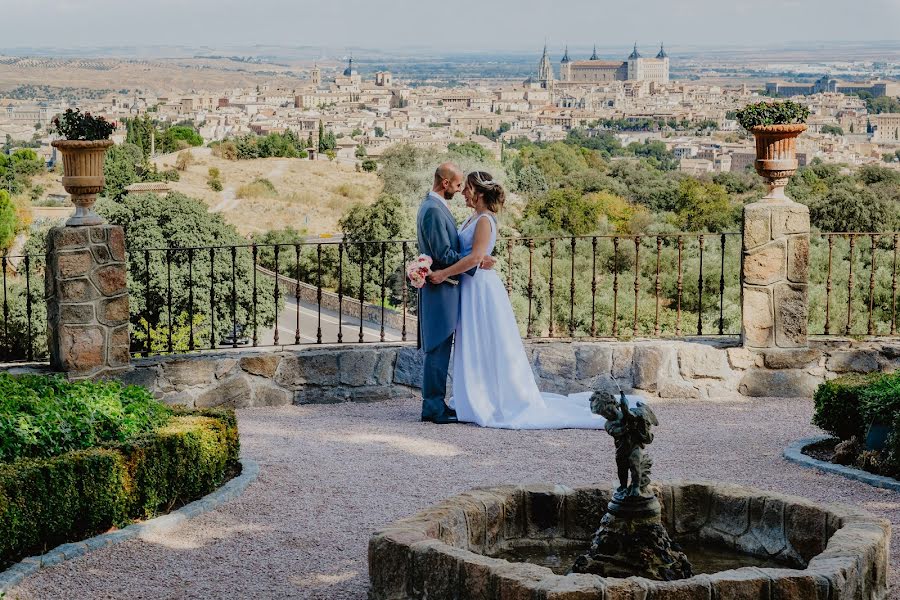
493, 385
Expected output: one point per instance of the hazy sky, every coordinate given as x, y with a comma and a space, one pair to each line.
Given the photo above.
451, 25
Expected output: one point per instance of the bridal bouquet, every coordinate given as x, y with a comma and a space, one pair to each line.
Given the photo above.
418, 270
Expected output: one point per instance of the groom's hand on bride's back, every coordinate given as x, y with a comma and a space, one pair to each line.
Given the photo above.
488, 262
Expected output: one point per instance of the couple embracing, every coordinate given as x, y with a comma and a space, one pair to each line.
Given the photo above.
464, 303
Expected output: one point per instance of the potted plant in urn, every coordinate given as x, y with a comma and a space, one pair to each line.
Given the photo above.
83, 148
776, 126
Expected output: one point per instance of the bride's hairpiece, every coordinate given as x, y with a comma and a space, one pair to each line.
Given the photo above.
478, 175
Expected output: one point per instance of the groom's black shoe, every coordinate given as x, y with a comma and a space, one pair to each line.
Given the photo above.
443, 419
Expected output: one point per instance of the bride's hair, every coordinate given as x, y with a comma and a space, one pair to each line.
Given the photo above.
493, 193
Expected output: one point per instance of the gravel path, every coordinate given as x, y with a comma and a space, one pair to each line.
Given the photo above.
329, 475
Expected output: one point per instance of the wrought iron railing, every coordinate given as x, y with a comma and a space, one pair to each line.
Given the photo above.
585, 286
24, 326
592, 287
853, 284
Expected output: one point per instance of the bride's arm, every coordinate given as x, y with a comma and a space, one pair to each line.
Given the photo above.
480, 244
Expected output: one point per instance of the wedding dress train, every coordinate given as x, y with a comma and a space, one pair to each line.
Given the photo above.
493, 384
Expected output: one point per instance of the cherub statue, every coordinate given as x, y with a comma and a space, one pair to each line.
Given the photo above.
630, 428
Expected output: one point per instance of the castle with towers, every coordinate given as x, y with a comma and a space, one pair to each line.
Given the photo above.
594, 70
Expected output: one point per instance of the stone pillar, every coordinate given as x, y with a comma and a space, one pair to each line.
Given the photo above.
87, 301
775, 275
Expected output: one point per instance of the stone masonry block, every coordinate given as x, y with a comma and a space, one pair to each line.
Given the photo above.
233, 392
110, 280
853, 361
119, 356
757, 225
408, 367
592, 360
77, 314
99, 234
700, 360
789, 218
758, 317
766, 264
63, 238
785, 383
101, 254
113, 311
653, 364
791, 315
77, 290
120, 336
357, 368
117, 243
263, 365
189, 372
555, 362
317, 368
82, 349
74, 264
798, 259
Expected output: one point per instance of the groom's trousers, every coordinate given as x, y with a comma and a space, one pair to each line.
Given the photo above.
434, 379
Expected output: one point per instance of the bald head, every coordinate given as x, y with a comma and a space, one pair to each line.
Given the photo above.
448, 180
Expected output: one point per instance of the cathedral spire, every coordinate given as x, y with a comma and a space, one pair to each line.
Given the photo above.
565, 57
545, 70
594, 55
634, 53
662, 52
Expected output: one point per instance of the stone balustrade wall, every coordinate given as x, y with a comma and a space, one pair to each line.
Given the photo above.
669, 369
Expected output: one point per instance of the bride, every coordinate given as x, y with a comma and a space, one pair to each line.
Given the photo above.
493, 385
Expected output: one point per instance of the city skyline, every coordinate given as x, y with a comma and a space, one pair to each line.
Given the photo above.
467, 25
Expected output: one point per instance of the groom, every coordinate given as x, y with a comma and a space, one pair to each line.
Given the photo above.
439, 304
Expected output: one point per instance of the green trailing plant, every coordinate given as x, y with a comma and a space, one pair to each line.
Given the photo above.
75, 125
47, 416
772, 113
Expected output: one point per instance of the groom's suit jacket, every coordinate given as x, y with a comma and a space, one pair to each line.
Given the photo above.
438, 304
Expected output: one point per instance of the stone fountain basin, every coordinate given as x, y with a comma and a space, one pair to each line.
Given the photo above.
833, 552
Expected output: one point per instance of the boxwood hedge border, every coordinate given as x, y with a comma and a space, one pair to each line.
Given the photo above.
144, 461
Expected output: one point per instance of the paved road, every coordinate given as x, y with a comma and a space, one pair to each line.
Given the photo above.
287, 327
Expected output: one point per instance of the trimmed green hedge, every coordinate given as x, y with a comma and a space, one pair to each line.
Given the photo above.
48, 501
839, 405
846, 406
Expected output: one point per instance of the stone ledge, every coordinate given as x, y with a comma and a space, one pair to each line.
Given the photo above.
794, 453
162, 524
702, 368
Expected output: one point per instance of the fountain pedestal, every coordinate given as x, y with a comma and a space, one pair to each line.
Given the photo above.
632, 541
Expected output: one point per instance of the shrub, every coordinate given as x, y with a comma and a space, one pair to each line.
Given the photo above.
48, 501
258, 188
880, 400
184, 160
846, 406
772, 113
351, 191
46, 416
838, 405
73, 125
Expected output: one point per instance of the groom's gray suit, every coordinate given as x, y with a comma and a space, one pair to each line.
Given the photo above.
438, 304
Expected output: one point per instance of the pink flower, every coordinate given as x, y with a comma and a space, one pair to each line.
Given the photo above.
418, 269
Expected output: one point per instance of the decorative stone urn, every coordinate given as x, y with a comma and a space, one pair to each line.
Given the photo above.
776, 156
83, 177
